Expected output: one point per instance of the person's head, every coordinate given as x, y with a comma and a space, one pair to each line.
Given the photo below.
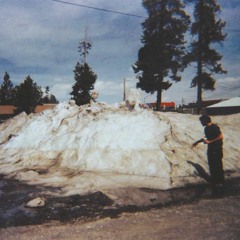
205, 119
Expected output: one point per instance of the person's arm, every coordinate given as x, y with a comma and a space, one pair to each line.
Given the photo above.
219, 137
197, 142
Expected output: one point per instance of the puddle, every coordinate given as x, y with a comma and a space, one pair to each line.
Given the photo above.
14, 195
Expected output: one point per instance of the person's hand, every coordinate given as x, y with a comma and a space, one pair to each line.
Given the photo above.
206, 141
194, 144
197, 142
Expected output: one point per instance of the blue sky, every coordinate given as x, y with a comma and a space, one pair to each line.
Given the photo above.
40, 38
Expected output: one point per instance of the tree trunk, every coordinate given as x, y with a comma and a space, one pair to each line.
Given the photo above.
199, 89
159, 99
199, 63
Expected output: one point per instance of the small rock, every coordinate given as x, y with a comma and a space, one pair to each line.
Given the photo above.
37, 202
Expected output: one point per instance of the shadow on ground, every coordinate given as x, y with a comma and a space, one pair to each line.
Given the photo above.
14, 195
200, 171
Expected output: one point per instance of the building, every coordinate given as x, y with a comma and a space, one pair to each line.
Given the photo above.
7, 111
230, 106
166, 106
193, 108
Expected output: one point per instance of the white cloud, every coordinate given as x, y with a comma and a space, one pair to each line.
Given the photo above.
109, 88
61, 91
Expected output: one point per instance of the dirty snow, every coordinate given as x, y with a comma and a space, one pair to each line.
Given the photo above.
100, 147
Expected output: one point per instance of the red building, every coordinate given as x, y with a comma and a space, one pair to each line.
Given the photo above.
7, 111
164, 105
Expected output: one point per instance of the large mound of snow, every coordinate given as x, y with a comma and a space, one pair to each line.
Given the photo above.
100, 146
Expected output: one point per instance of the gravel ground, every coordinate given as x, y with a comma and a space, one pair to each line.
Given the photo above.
205, 216
205, 219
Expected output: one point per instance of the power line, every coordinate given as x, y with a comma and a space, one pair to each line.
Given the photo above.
232, 30
117, 12
99, 9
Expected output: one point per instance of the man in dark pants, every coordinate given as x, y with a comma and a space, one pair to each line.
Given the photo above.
214, 140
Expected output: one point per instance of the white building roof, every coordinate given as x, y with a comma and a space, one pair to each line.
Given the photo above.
232, 102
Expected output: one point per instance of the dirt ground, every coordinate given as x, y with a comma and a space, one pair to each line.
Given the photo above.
206, 219
209, 215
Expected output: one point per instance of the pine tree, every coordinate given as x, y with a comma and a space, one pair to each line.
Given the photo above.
28, 95
161, 57
207, 30
53, 99
84, 76
85, 79
6, 91
49, 98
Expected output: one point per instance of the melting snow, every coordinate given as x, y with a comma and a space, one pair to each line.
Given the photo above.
97, 147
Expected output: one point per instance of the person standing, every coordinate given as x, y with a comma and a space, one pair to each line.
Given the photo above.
214, 140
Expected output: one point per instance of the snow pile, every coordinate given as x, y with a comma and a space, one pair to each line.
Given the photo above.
99, 146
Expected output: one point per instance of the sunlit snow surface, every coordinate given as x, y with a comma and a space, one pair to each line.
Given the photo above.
97, 147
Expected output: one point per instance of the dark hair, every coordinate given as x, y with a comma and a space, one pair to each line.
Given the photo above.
205, 119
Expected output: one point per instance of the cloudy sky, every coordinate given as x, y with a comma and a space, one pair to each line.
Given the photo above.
40, 38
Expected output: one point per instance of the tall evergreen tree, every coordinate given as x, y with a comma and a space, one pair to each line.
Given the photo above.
6, 91
84, 76
28, 95
206, 30
161, 57
85, 79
